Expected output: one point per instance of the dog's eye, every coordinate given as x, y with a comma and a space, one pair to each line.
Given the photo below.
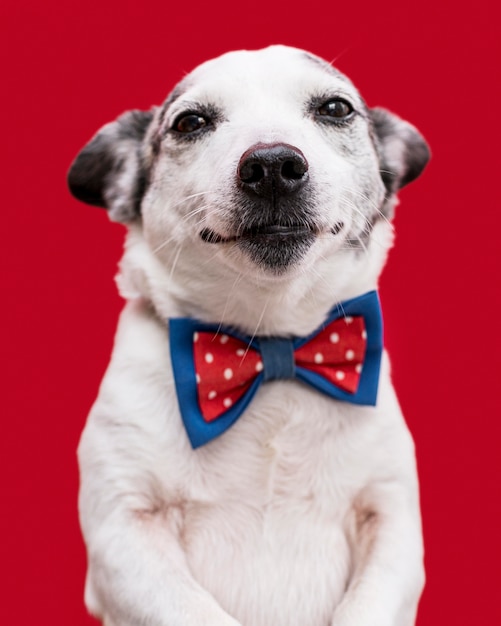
189, 123
336, 108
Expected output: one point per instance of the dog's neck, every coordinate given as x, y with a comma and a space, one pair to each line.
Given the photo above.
292, 305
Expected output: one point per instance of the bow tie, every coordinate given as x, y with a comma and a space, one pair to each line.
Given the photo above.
217, 371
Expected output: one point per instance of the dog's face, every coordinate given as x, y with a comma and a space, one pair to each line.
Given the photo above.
265, 162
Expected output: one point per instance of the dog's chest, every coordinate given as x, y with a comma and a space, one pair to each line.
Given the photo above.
268, 511
291, 445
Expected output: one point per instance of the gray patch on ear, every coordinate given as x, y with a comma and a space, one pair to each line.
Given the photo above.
110, 171
403, 153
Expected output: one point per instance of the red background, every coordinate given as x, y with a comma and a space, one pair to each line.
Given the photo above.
69, 67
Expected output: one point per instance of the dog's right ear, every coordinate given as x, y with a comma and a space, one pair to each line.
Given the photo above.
110, 171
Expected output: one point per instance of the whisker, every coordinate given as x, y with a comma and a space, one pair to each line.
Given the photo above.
319, 276
189, 215
198, 210
176, 259
367, 229
190, 197
354, 192
255, 329
341, 54
162, 245
233, 287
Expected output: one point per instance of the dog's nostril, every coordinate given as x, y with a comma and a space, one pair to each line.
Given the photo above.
294, 170
251, 173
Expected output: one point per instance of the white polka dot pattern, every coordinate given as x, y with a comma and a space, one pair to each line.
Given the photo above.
226, 368
343, 349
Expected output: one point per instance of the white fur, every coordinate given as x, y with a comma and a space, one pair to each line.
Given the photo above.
305, 512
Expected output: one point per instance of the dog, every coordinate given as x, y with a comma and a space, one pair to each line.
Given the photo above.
258, 200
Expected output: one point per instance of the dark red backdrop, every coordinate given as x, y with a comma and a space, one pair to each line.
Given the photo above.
72, 66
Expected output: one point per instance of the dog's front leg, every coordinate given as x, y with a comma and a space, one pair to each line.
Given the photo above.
138, 575
388, 573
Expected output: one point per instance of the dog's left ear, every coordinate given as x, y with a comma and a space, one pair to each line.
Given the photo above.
110, 171
403, 152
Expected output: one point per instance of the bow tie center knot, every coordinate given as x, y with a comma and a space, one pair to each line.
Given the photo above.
277, 354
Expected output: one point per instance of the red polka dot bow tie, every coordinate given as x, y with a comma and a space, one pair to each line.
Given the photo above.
217, 371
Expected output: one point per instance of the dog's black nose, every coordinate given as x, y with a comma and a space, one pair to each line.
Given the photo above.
272, 169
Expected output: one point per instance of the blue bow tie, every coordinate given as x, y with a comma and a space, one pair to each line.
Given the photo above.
217, 371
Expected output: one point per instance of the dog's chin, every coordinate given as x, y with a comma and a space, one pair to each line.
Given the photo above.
274, 249
277, 254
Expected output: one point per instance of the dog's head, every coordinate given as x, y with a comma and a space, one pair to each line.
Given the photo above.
264, 164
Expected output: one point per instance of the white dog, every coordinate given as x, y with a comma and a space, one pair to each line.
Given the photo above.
258, 199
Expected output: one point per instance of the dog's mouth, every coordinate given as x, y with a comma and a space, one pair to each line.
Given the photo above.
269, 233
274, 247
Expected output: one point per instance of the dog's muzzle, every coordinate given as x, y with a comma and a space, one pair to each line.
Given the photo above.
274, 220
